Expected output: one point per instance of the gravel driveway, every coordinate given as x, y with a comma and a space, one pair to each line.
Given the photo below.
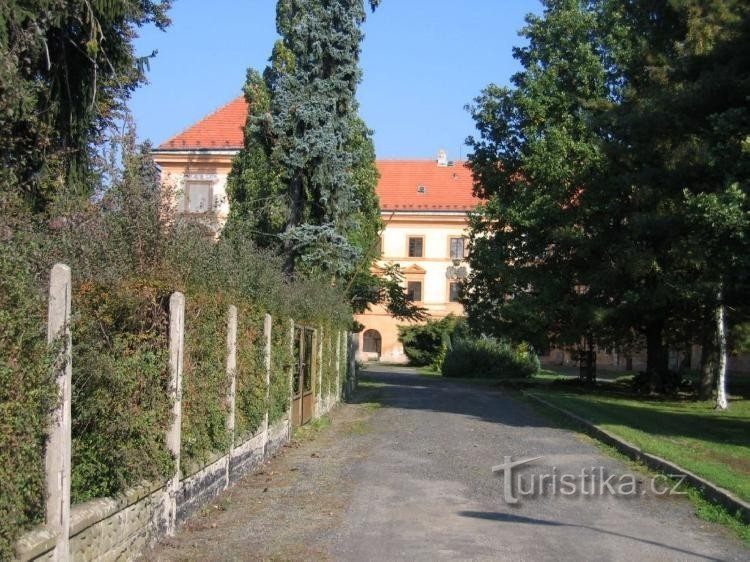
412, 480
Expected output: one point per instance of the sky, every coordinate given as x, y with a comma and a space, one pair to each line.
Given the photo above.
422, 62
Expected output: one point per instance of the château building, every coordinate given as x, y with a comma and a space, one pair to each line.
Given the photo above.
424, 204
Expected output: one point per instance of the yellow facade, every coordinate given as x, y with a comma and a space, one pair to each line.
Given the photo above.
433, 270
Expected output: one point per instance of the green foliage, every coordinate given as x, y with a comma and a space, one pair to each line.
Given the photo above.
128, 254
529, 248
66, 70
305, 180
488, 358
204, 381
423, 342
304, 183
437, 362
282, 363
615, 172
120, 407
329, 364
250, 397
28, 392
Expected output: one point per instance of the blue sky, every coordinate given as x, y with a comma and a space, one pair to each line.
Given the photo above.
423, 61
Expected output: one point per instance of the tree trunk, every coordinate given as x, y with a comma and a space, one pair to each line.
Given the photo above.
708, 351
590, 359
721, 330
657, 360
687, 358
296, 195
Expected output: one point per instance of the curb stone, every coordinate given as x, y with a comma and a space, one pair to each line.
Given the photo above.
708, 489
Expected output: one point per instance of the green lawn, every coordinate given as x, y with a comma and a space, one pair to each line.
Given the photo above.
711, 443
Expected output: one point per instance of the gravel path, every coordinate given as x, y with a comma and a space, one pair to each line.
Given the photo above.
412, 480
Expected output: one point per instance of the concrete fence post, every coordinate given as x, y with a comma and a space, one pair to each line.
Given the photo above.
176, 351
338, 365
267, 343
291, 371
57, 456
319, 400
232, 386
353, 348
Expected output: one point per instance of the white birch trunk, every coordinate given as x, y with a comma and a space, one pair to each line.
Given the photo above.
721, 388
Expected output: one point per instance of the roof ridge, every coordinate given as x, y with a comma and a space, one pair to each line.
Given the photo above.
207, 116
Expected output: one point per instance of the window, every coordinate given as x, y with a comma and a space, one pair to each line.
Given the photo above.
414, 291
198, 197
416, 246
454, 291
457, 248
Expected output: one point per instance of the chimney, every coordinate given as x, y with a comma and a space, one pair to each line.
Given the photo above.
442, 159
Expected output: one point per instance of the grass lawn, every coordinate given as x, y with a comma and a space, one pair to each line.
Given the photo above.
711, 443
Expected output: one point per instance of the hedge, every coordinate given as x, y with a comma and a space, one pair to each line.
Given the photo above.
127, 255
489, 358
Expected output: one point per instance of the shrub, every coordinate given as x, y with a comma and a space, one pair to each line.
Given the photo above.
422, 342
120, 406
488, 358
204, 381
127, 254
250, 396
28, 394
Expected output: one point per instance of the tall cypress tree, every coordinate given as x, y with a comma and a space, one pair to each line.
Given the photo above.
306, 178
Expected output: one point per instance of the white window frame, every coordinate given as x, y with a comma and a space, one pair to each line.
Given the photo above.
190, 182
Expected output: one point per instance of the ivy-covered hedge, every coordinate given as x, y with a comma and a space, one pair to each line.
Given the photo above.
27, 396
250, 394
120, 406
281, 365
127, 255
204, 378
328, 378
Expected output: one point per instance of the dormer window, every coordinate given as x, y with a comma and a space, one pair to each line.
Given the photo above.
421, 189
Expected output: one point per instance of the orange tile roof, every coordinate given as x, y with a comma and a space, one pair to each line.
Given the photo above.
446, 188
222, 129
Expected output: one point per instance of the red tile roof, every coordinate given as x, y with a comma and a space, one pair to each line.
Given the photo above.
222, 129
446, 188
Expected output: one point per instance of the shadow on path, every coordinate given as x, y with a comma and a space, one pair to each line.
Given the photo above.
402, 387
510, 518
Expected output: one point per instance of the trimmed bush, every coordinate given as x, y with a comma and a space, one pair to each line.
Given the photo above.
488, 358
422, 343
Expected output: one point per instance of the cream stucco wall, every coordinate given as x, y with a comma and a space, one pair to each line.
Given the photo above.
437, 228
178, 168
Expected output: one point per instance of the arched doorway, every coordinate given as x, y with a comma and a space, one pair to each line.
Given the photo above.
371, 342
